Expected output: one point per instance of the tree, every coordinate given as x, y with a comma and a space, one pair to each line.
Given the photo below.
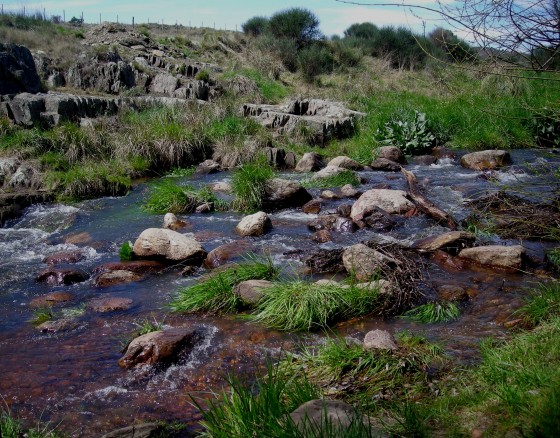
525, 33
255, 26
298, 24
362, 31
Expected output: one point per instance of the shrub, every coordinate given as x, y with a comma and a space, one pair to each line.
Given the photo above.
249, 185
202, 75
410, 134
255, 26
214, 292
546, 128
297, 24
314, 60
454, 49
366, 31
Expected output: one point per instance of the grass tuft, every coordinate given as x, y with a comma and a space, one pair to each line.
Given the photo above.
249, 186
41, 315
301, 305
125, 252
214, 292
338, 180
432, 313
542, 304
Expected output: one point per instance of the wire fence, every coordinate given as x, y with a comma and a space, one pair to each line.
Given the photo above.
78, 20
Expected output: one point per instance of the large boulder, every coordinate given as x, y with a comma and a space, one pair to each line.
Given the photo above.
310, 162
17, 70
391, 201
345, 162
364, 262
508, 257
254, 225
282, 193
168, 244
161, 347
452, 242
486, 160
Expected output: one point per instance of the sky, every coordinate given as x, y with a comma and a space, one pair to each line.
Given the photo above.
335, 17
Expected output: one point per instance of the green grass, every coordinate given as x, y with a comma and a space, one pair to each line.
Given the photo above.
232, 127
214, 292
125, 252
272, 91
254, 410
346, 370
248, 184
542, 304
168, 197
432, 313
553, 258
41, 315
303, 306
11, 427
338, 180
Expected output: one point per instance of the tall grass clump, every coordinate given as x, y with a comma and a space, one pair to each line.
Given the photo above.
304, 306
214, 292
260, 409
542, 304
432, 313
169, 197
249, 186
271, 90
11, 427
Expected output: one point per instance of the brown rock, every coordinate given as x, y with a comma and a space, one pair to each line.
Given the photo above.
345, 163
452, 293
344, 210
350, 191
59, 325
58, 277
136, 266
329, 194
283, 193
224, 253
51, 299
171, 222
312, 207
325, 261
322, 236
78, 238
508, 257
486, 160
391, 153
392, 201
425, 160
443, 152
251, 291
452, 242
161, 347
364, 262
67, 257
116, 277
109, 304
310, 162
447, 261
386, 165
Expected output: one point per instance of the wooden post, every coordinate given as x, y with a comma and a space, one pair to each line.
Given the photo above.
162, 24
44, 15
117, 19
132, 23
24, 11
82, 17
64, 15
100, 18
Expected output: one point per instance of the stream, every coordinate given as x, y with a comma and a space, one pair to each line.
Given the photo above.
72, 378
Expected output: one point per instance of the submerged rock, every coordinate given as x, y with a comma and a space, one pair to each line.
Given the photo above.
509, 257
59, 277
109, 304
136, 266
50, 299
160, 347
62, 257
392, 201
172, 246
312, 207
254, 225
486, 160
322, 236
112, 278
58, 325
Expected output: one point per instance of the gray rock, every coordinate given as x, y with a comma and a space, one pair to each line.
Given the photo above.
310, 162
350, 191
379, 340
172, 246
283, 193
207, 167
222, 187
164, 83
486, 160
392, 201
345, 162
452, 242
328, 172
109, 304
56, 79
254, 225
207, 207
329, 194
386, 165
17, 70
251, 291
58, 325
508, 257
364, 262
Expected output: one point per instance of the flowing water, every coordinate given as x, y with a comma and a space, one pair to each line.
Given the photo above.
72, 378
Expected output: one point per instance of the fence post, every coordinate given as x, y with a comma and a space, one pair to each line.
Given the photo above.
64, 15
132, 23
82, 17
100, 18
44, 15
162, 24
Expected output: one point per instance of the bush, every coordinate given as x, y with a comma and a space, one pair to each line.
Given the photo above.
255, 26
454, 49
410, 134
546, 128
297, 24
202, 75
125, 253
314, 60
366, 31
